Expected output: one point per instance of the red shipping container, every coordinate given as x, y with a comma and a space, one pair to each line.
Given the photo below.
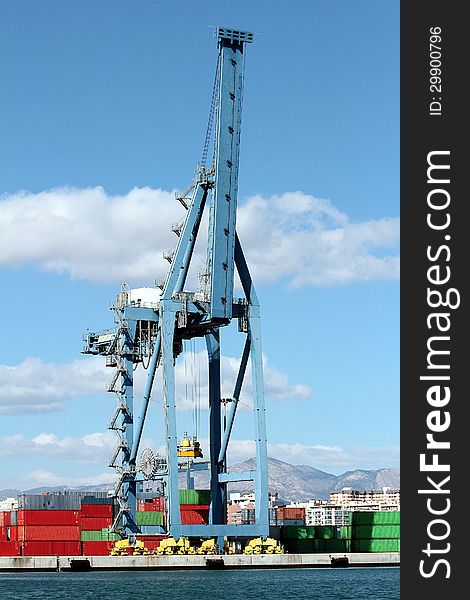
95, 523
194, 517
13, 533
66, 548
51, 548
3, 534
290, 513
155, 504
42, 548
151, 542
9, 549
96, 548
97, 510
51, 533
4, 518
48, 517
197, 507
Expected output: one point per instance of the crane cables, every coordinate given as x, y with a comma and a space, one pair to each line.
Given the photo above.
210, 122
192, 376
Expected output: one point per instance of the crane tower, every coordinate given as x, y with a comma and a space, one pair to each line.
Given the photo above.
152, 323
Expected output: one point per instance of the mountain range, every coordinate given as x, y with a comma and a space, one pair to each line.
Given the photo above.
292, 482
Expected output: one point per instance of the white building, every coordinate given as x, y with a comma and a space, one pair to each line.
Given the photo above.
9, 504
375, 500
320, 512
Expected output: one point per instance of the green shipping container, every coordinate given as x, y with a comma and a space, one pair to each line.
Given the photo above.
149, 518
375, 545
99, 535
345, 532
194, 496
304, 546
108, 536
297, 532
390, 517
91, 536
336, 545
326, 532
362, 532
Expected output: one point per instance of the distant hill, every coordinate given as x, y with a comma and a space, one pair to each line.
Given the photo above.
291, 482
302, 482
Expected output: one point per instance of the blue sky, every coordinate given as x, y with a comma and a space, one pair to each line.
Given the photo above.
104, 108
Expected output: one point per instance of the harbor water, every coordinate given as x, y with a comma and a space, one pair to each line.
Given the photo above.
377, 583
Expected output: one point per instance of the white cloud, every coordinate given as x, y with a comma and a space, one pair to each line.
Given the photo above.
307, 241
21, 394
295, 237
327, 458
94, 448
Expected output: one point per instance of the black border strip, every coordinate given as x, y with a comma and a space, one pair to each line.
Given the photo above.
440, 128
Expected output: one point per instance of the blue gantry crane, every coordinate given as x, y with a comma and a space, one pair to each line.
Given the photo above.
152, 323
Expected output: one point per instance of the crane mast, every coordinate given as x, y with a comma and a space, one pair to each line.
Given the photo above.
154, 329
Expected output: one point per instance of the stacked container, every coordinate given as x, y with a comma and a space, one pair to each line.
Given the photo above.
194, 506
96, 517
373, 531
312, 539
45, 532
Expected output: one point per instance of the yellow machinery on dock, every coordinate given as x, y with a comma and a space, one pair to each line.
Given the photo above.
260, 546
170, 546
126, 547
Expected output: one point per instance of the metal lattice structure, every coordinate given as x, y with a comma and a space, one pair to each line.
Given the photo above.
153, 329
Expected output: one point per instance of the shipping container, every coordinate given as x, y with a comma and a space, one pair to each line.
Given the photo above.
194, 517
149, 518
97, 510
194, 496
99, 535
91, 536
10, 548
14, 517
98, 498
374, 518
375, 545
4, 518
90, 523
312, 546
151, 507
51, 501
326, 532
199, 507
51, 533
291, 522
375, 532
157, 503
109, 536
48, 517
3, 533
37, 548
290, 512
96, 548
51, 548
12, 533
151, 542
302, 532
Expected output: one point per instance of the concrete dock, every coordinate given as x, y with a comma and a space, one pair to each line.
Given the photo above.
157, 563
